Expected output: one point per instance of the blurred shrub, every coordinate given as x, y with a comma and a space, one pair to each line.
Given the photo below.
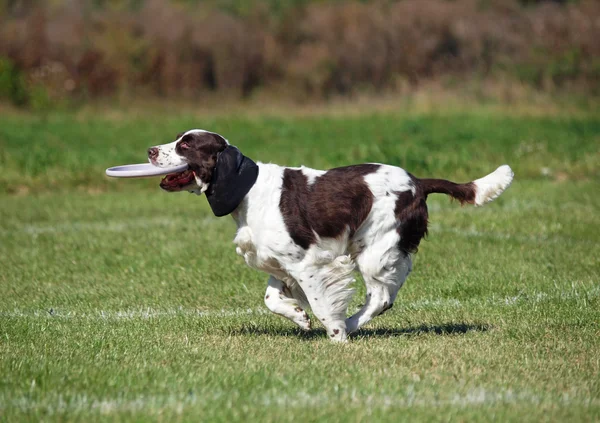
305, 48
12, 83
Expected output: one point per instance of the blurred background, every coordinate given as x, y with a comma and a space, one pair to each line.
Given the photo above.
63, 53
119, 302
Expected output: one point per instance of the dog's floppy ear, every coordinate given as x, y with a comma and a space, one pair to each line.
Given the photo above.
232, 178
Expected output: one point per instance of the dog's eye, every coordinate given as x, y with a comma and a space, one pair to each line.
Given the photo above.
184, 145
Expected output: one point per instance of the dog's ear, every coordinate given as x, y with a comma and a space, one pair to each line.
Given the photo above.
232, 178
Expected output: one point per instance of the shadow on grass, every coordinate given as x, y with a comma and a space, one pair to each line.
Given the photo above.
441, 329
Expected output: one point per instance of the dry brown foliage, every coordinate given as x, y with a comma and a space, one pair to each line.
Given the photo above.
168, 48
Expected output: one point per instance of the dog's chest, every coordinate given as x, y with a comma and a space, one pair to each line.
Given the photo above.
259, 255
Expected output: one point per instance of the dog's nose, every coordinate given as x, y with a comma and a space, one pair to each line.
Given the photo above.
153, 153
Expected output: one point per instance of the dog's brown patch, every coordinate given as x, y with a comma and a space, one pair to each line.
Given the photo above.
411, 209
465, 193
293, 204
338, 200
411, 213
201, 152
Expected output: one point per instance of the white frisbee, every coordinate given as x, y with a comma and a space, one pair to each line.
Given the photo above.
142, 170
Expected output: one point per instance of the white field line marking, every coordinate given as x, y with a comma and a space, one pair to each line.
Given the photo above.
96, 226
524, 298
425, 304
411, 398
124, 224
518, 204
142, 313
477, 397
537, 239
137, 223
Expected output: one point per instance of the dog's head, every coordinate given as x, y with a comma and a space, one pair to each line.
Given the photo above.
197, 148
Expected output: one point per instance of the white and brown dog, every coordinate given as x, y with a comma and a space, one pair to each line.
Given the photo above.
309, 229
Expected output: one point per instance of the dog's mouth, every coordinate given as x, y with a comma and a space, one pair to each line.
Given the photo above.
177, 181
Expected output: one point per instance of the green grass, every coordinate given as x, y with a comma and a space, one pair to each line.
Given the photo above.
114, 307
62, 153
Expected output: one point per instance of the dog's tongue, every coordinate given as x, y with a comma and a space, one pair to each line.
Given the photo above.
176, 179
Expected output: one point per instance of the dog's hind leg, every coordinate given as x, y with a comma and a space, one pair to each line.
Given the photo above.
326, 287
281, 300
384, 275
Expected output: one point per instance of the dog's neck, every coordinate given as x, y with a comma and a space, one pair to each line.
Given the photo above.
240, 213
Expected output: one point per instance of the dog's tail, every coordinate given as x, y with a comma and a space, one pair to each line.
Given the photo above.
478, 192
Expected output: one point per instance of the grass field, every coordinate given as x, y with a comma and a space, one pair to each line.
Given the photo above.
119, 302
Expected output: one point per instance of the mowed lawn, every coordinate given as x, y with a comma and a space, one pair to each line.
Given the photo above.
119, 302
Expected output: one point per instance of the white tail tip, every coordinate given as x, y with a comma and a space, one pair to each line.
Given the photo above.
491, 186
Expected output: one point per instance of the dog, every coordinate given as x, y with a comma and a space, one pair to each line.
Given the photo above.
309, 229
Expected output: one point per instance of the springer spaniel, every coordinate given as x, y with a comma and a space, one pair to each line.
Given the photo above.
309, 229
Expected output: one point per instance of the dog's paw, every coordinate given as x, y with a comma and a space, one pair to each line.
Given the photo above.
302, 319
337, 333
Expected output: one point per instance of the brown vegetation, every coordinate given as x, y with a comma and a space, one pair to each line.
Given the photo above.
167, 48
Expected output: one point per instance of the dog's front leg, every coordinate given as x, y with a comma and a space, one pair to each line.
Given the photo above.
278, 302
